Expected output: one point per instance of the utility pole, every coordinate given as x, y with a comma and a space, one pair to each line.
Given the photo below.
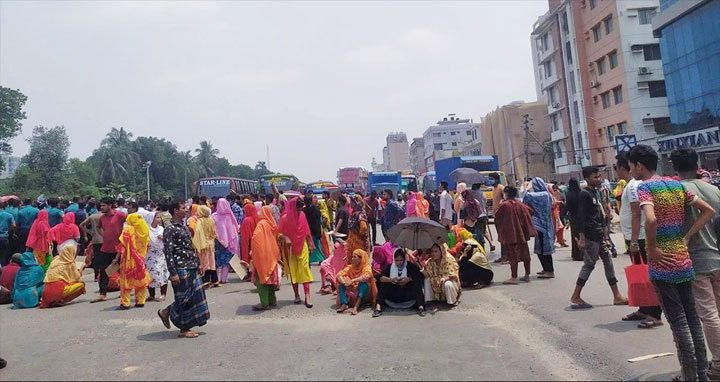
527, 124
147, 170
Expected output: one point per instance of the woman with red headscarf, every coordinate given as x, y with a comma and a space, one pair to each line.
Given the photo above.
295, 244
38, 239
246, 232
65, 233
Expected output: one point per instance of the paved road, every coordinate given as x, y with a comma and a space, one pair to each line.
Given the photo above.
523, 332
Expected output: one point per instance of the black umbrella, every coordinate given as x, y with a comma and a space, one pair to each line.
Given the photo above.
467, 175
417, 233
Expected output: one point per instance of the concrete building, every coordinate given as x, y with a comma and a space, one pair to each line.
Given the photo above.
689, 34
446, 139
502, 134
398, 152
417, 156
474, 147
11, 165
607, 79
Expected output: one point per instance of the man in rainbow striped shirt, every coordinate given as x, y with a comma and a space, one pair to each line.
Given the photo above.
669, 264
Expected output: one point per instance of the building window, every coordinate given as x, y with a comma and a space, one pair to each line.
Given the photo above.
438, 146
662, 125
622, 128
600, 66
608, 21
651, 52
597, 34
551, 96
454, 144
657, 89
611, 133
557, 149
617, 94
605, 100
452, 133
436, 135
469, 132
547, 65
576, 112
555, 122
565, 22
646, 15
613, 58
572, 82
593, 3
568, 53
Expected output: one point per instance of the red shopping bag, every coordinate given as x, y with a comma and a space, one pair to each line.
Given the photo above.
641, 291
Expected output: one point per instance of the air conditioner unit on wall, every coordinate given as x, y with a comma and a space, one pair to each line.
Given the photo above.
594, 84
555, 105
644, 70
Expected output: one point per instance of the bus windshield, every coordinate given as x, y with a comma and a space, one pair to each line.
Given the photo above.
223, 186
282, 182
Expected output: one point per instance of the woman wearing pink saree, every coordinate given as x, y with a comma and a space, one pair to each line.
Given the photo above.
411, 206
329, 269
227, 244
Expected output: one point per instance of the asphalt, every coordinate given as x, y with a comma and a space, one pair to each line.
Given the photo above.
503, 332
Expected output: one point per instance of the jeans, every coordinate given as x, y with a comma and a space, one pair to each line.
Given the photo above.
706, 289
652, 311
593, 251
373, 228
678, 302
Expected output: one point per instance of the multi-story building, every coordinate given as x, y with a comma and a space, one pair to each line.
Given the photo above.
446, 139
602, 79
417, 156
474, 147
689, 32
503, 134
11, 165
398, 152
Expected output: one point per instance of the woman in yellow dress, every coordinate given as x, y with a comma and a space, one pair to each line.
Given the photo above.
204, 243
132, 250
295, 245
62, 280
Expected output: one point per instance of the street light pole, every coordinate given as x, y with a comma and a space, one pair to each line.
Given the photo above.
147, 171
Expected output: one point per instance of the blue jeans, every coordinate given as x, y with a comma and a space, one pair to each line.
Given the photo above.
362, 292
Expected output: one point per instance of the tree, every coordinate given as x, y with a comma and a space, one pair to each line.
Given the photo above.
206, 158
11, 113
48, 156
261, 169
115, 160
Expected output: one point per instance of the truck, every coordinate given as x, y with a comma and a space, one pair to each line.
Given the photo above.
485, 164
380, 181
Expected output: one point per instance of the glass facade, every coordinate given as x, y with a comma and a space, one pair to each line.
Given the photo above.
690, 49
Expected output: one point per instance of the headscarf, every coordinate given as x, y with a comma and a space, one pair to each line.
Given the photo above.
358, 215
66, 230
226, 226
63, 267
38, 235
133, 247
472, 207
460, 188
246, 230
541, 202
617, 192
446, 267
193, 216
294, 226
422, 206
396, 271
30, 275
312, 213
266, 252
364, 268
205, 233
411, 206
325, 213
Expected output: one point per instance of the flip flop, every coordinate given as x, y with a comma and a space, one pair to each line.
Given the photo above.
377, 313
634, 316
649, 324
189, 335
546, 276
165, 321
584, 305
98, 300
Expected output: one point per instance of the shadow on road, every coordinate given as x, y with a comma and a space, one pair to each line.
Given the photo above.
166, 335
620, 326
247, 310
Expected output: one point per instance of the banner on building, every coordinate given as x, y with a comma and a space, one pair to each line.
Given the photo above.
624, 143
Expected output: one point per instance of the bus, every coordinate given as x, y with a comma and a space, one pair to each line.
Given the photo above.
353, 178
283, 182
429, 183
321, 186
222, 186
409, 183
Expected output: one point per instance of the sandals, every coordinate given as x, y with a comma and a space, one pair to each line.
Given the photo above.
634, 316
422, 313
188, 335
165, 320
297, 301
377, 313
258, 308
581, 306
99, 299
650, 324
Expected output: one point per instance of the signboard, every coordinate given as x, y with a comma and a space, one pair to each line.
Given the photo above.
699, 139
624, 143
215, 182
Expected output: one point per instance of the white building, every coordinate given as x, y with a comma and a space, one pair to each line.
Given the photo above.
447, 138
398, 152
417, 156
11, 165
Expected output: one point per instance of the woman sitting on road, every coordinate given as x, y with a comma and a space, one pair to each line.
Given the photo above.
401, 285
475, 270
355, 281
28, 283
62, 280
329, 269
442, 282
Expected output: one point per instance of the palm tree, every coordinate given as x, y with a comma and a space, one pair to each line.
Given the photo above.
206, 158
117, 138
111, 170
117, 157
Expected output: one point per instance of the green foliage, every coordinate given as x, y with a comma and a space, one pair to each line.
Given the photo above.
48, 156
11, 113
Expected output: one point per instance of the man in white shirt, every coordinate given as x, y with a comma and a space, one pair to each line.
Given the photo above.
446, 205
632, 222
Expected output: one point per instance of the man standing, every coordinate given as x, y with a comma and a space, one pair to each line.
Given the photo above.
74, 206
190, 307
632, 222
393, 212
55, 215
109, 227
498, 194
7, 224
446, 205
372, 204
669, 265
26, 217
703, 251
592, 239
96, 238
275, 209
483, 232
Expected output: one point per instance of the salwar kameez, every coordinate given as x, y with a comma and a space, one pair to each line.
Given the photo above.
299, 267
317, 255
61, 292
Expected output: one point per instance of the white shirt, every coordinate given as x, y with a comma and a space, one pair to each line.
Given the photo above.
446, 203
629, 196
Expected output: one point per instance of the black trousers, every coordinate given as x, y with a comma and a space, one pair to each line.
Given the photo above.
103, 261
396, 293
5, 253
545, 260
471, 274
373, 229
652, 311
210, 277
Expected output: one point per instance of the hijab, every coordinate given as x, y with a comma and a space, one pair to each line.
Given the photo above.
38, 235
205, 232
352, 271
66, 230
423, 206
358, 215
63, 267
155, 242
294, 226
312, 213
266, 252
193, 216
226, 226
246, 230
541, 202
472, 207
411, 206
400, 271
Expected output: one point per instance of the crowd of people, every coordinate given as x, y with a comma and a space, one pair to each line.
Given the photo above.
138, 247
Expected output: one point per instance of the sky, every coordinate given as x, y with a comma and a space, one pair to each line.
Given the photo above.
321, 83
